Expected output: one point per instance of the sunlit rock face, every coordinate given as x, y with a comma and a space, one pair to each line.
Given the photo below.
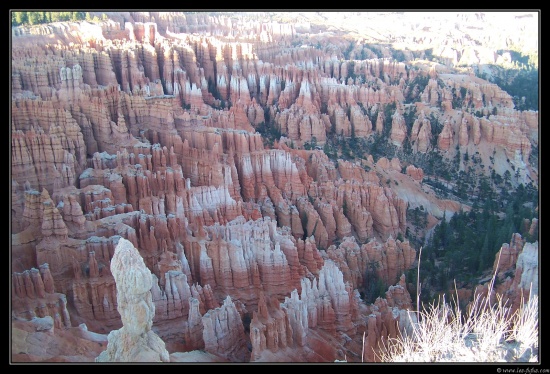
134, 341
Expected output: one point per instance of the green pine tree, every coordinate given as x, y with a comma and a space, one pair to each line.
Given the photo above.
484, 254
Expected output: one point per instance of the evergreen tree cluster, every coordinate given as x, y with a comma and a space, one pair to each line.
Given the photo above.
38, 17
465, 246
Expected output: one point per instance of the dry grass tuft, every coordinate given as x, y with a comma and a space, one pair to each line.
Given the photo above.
488, 333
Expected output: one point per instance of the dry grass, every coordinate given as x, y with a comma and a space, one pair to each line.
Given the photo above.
489, 332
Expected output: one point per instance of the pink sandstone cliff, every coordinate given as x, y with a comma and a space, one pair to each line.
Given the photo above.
141, 134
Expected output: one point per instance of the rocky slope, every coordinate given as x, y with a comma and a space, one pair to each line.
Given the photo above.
209, 143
